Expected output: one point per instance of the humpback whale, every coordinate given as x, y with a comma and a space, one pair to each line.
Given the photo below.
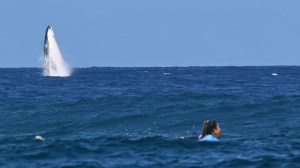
54, 64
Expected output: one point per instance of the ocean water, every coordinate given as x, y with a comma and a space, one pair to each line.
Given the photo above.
133, 117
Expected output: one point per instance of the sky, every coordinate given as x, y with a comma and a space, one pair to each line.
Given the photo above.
150, 33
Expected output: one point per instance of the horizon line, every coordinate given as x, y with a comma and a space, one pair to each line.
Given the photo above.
168, 66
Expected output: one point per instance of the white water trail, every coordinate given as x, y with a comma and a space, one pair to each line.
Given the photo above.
54, 64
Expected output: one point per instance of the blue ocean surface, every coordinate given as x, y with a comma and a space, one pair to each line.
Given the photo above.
133, 117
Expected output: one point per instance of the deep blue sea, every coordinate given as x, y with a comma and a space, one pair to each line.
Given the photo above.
133, 117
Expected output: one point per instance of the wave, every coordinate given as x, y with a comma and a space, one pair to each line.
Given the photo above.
144, 151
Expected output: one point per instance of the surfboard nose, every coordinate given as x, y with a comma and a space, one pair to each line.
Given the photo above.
49, 27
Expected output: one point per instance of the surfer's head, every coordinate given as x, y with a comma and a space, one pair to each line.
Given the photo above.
211, 127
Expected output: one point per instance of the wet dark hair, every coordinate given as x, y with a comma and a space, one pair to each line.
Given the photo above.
208, 127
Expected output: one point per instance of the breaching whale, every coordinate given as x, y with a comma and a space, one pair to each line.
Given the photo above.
54, 64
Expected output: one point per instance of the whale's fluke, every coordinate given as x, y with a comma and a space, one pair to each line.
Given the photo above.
54, 64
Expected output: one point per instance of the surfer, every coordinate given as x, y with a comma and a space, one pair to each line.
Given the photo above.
211, 130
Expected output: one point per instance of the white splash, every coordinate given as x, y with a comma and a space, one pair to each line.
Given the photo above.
54, 64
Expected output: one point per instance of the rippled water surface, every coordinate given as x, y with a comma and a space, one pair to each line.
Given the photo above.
133, 117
